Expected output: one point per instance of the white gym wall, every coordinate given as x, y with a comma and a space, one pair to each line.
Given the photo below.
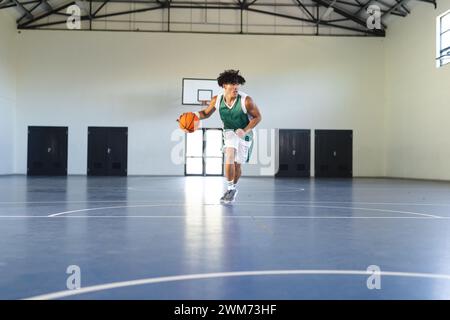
80, 79
7, 90
417, 97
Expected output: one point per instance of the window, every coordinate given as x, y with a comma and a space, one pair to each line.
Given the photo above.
204, 152
194, 153
443, 39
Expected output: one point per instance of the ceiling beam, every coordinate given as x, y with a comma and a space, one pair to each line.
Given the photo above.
31, 11
87, 18
394, 7
367, 4
387, 5
25, 11
351, 17
315, 21
305, 9
23, 25
242, 5
433, 2
100, 8
8, 4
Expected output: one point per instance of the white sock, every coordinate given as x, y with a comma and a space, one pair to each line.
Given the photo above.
235, 185
230, 185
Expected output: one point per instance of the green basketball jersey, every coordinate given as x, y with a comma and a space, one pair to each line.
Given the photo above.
234, 118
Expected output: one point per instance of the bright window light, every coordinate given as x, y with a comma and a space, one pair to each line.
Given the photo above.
443, 39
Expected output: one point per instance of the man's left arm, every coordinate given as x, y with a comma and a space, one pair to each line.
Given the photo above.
253, 110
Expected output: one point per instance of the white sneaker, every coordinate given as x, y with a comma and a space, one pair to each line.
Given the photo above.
231, 196
224, 197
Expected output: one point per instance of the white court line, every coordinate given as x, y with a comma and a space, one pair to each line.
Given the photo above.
233, 217
115, 207
253, 191
356, 202
115, 285
244, 201
252, 204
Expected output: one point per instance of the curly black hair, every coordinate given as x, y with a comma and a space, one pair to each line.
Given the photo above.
230, 77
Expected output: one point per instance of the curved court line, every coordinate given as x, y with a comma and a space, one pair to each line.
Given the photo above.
362, 209
122, 284
254, 204
116, 207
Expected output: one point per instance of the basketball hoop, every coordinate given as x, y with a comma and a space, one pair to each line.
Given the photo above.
204, 102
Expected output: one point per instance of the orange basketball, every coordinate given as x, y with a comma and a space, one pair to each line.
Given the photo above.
188, 122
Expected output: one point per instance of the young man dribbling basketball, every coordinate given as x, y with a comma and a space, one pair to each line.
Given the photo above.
239, 115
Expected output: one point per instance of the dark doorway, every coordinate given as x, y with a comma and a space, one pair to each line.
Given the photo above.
294, 152
47, 151
107, 151
333, 153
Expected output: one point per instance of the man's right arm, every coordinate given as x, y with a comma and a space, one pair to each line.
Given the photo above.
208, 111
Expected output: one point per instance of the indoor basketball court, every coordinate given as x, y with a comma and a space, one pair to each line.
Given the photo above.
224, 150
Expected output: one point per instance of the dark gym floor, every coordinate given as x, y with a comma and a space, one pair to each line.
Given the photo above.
169, 238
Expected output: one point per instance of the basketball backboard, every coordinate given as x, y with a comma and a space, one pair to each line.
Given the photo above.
197, 90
